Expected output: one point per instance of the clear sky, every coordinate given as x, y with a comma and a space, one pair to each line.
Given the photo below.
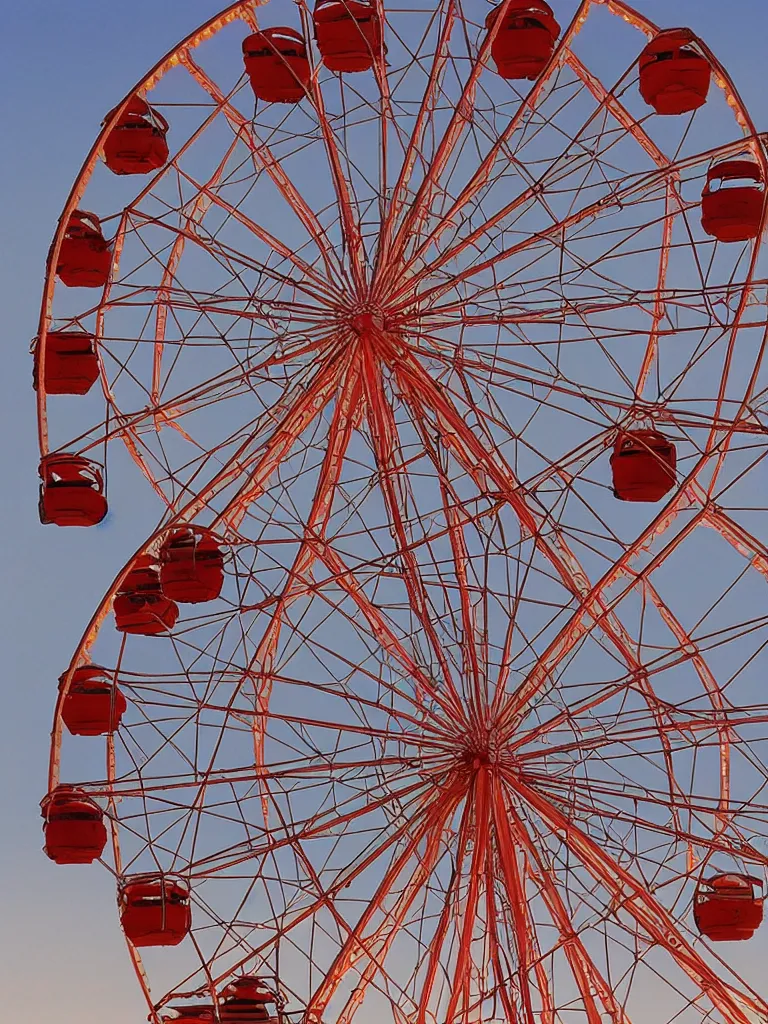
64, 65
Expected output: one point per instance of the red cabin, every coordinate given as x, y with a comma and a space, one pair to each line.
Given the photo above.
70, 363
526, 38
93, 705
728, 907
203, 1014
137, 143
244, 1001
643, 466
674, 78
140, 606
732, 210
85, 257
277, 64
348, 34
74, 827
71, 492
191, 567
155, 911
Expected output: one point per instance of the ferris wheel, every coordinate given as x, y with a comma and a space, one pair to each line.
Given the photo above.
437, 694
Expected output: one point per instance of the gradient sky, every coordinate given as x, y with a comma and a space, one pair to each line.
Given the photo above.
63, 65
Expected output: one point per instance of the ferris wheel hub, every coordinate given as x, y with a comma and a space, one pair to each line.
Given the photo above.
367, 321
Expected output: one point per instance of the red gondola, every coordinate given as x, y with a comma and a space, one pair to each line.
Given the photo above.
348, 34
74, 827
643, 466
140, 606
674, 78
155, 911
85, 256
733, 210
71, 491
526, 38
277, 65
203, 1014
191, 566
244, 1001
137, 143
70, 363
93, 706
726, 907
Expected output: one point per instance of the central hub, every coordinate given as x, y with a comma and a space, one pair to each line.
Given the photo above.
476, 759
483, 749
367, 321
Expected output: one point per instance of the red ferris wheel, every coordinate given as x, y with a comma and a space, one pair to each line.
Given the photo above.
438, 329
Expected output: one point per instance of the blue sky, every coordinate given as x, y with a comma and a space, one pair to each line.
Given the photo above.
64, 65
